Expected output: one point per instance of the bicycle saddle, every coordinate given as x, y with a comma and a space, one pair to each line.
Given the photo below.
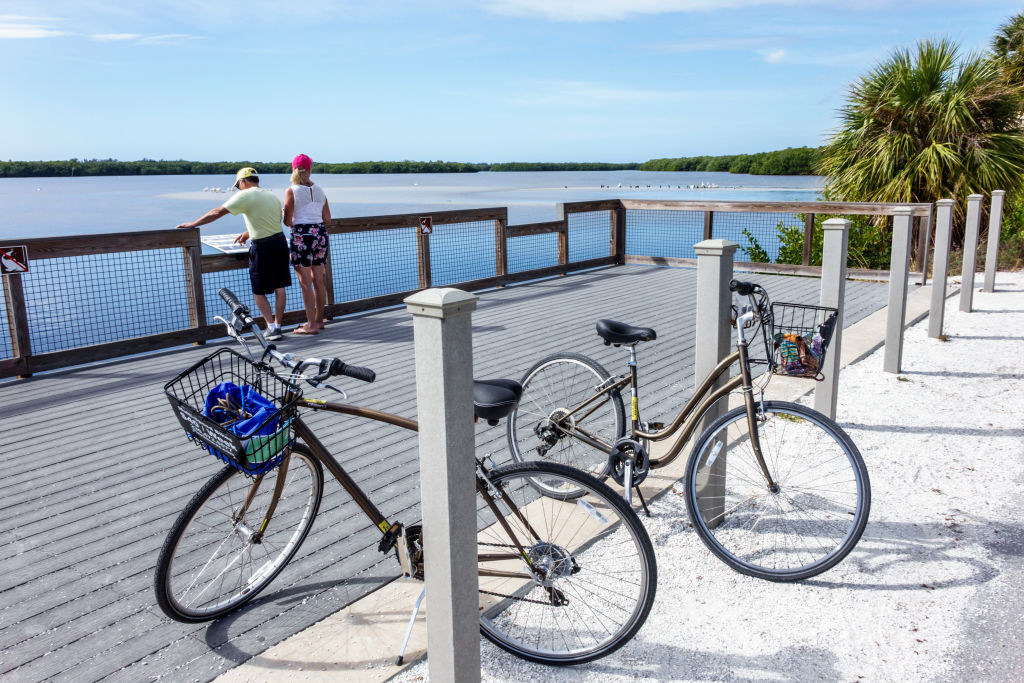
494, 399
620, 333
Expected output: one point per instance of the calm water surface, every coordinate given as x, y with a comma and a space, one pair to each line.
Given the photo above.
38, 207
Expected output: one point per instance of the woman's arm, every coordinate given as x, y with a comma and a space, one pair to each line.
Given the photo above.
289, 207
325, 215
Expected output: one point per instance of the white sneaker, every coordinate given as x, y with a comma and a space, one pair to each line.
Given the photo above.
273, 333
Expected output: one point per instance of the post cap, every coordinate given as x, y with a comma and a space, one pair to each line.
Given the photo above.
998, 192
441, 302
836, 224
715, 247
946, 202
974, 197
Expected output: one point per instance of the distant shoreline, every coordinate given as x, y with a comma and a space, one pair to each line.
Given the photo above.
790, 161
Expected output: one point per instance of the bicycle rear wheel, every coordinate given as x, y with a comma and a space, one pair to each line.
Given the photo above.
553, 388
809, 523
214, 561
561, 581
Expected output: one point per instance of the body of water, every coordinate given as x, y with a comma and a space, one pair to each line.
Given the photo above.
43, 207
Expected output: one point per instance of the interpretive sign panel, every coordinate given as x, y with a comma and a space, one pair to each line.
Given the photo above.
224, 244
426, 225
13, 260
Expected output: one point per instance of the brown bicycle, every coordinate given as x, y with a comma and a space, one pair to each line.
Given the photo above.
775, 489
561, 581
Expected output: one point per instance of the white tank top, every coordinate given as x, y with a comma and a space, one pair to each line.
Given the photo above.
309, 204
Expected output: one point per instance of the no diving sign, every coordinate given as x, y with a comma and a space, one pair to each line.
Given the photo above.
13, 260
426, 225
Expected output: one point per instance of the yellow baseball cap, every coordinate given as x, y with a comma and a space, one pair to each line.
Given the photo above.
246, 172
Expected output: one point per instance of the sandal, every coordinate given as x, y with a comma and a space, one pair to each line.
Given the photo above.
302, 329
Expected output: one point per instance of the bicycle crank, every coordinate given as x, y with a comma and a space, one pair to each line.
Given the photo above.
628, 460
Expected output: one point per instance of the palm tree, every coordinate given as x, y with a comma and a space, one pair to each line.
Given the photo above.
1008, 46
924, 125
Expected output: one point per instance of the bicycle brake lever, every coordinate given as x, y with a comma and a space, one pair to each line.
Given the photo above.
340, 391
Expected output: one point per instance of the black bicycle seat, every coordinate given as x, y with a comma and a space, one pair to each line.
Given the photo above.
494, 399
614, 332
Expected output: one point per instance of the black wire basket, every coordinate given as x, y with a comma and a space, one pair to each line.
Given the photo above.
237, 410
800, 338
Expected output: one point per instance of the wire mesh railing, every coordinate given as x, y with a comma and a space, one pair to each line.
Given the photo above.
589, 235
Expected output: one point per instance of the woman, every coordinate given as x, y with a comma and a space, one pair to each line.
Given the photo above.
306, 212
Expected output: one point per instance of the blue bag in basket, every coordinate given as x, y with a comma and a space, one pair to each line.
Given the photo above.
242, 411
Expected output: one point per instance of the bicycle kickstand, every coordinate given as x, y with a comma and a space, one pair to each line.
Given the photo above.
643, 502
408, 631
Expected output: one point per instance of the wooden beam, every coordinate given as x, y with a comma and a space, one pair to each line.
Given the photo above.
17, 322
412, 220
846, 208
81, 245
808, 237
535, 228
709, 222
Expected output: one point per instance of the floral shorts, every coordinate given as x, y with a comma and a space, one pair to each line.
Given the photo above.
309, 245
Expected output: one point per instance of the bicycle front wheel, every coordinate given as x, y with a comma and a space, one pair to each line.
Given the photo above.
546, 421
561, 581
215, 560
804, 525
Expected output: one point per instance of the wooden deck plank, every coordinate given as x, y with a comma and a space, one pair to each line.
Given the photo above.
86, 502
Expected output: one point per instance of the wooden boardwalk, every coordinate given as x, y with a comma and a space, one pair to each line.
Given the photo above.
97, 468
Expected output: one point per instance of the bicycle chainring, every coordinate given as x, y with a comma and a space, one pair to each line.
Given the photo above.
627, 450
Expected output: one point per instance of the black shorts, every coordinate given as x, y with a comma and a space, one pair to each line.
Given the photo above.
268, 264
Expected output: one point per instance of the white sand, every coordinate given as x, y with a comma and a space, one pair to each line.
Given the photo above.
931, 591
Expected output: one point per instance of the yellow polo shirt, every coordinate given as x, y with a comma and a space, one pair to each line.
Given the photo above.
260, 209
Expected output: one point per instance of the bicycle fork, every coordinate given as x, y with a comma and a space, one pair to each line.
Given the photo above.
752, 424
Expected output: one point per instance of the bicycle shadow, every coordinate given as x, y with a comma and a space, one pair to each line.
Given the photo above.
896, 556
226, 637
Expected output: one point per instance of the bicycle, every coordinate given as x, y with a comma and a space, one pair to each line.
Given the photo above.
775, 489
560, 583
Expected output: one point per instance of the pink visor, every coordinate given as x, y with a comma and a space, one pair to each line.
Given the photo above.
302, 161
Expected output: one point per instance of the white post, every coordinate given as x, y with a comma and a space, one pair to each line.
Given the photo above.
899, 276
714, 272
442, 336
943, 238
995, 226
970, 265
833, 292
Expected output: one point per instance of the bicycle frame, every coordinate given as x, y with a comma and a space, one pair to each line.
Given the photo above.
321, 453
685, 423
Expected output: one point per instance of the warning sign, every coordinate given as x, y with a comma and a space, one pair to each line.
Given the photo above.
13, 260
426, 225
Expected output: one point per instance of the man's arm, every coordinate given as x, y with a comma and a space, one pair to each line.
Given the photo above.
208, 217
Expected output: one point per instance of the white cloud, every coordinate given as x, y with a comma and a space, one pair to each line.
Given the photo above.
611, 10
167, 39
775, 56
114, 37
711, 44
16, 26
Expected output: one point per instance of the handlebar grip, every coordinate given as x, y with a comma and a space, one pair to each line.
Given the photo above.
353, 371
742, 288
232, 301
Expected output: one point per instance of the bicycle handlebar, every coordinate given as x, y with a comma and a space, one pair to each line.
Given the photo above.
743, 288
326, 367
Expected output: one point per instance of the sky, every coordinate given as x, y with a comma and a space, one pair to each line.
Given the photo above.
484, 81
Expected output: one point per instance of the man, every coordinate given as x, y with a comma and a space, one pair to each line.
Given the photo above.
269, 270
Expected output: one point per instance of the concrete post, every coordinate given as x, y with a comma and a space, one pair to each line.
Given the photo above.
442, 337
971, 230
833, 292
714, 272
899, 277
940, 272
995, 226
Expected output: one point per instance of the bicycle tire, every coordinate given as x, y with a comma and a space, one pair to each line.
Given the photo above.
554, 384
206, 526
804, 527
595, 553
